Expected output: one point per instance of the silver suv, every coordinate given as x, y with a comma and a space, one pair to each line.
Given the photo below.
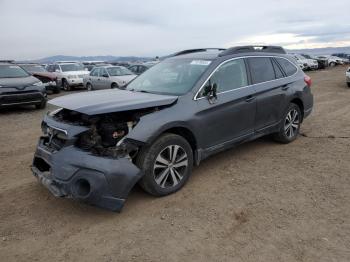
70, 74
104, 77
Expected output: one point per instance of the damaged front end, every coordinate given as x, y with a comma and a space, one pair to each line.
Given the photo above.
89, 158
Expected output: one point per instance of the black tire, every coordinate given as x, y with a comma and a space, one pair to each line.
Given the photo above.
157, 180
286, 135
89, 87
114, 85
42, 105
332, 64
56, 90
65, 85
348, 84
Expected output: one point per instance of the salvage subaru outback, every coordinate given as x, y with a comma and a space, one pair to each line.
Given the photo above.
195, 103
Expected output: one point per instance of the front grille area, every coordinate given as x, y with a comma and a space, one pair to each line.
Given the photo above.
20, 97
55, 139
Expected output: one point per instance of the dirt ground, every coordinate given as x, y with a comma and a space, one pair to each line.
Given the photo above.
259, 202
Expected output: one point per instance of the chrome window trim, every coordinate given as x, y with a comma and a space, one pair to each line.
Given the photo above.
195, 98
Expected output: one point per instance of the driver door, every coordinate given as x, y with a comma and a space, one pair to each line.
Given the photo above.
231, 116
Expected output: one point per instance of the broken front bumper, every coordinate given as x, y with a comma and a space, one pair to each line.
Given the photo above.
71, 172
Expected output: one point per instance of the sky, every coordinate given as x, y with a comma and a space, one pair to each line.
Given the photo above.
33, 29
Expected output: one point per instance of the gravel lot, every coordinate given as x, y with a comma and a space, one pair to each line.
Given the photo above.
259, 202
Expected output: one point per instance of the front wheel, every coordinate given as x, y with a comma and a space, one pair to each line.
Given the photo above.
42, 105
56, 90
348, 84
89, 87
114, 85
290, 127
166, 164
65, 85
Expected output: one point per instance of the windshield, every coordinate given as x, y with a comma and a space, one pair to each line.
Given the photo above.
12, 71
71, 67
173, 76
33, 68
118, 71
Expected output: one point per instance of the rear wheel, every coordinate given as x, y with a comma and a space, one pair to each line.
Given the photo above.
348, 84
114, 85
56, 90
167, 165
65, 85
290, 127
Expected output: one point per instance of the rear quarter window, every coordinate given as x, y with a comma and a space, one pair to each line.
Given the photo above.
287, 66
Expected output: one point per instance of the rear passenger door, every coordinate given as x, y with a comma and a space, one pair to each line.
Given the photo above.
269, 83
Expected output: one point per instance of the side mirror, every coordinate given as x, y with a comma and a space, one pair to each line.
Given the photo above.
211, 92
105, 75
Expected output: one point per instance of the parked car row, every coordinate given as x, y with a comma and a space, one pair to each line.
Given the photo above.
309, 62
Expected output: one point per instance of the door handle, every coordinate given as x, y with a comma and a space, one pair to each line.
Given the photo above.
249, 98
285, 87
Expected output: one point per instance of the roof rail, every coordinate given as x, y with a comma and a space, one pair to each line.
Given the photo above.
251, 49
189, 51
7, 61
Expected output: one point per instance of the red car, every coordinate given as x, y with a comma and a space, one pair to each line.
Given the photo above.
48, 79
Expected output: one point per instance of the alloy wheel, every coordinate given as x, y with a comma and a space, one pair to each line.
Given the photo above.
291, 124
170, 166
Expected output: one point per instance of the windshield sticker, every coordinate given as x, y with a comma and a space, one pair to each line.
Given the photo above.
200, 62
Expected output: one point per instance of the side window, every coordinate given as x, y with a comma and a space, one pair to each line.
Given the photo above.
50, 68
288, 67
94, 72
261, 69
229, 76
278, 72
133, 69
103, 71
56, 67
142, 69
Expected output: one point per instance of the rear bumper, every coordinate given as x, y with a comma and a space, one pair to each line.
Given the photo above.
71, 172
21, 98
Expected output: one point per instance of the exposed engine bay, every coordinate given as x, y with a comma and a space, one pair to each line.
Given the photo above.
106, 132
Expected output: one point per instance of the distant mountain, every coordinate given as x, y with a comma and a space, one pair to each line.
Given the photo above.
107, 58
322, 51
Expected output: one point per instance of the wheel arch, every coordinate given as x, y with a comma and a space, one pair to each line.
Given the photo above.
300, 104
184, 132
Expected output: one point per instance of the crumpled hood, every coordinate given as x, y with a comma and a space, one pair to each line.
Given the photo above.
110, 101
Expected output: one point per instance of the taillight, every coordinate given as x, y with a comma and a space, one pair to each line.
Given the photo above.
308, 80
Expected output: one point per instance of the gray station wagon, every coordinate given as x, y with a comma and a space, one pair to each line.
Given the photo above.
196, 103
